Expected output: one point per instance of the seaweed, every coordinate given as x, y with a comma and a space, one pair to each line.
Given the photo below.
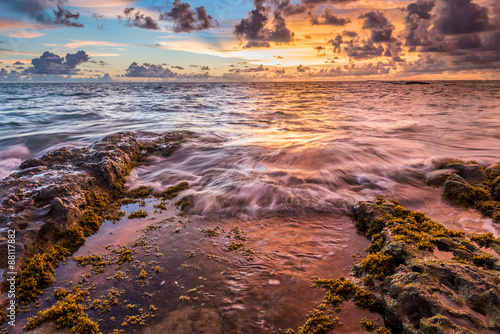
173, 191
68, 312
137, 214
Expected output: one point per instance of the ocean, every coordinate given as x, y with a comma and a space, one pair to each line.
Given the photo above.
274, 146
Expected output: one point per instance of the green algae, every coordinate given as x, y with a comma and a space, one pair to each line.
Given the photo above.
68, 312
338, 291
485, 197
483, 260
183, 203
379, 265
173, 191
484, 239
368, 325
124, 255
37, 273
318, 322
412, 227
141, 192
97, 262
137, 214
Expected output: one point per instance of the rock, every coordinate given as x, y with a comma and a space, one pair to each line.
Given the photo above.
439, 324
472, 173
426, 294
48, 194
455, 188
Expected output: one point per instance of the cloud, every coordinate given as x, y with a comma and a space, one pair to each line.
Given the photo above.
418, 22
363, 50
76, 44
138, 19
457, 17
301, 68
187, 20
147, 70
259, 68
287, 8
256, 30
49, 63
349, 33
336, 43
461, 31
66, 17
25, 34
381, 28
327, 17
49, 12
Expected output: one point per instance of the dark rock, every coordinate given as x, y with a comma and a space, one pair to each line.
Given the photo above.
454, 189
47, 195
472, 173
430, 295
439, 324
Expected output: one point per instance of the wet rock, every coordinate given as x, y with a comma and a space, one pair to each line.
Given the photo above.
48, 194
439, 324
471, 172
425, 294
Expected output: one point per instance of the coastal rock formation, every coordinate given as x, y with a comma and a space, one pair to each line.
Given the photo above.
427, 291
468, 183
50, 194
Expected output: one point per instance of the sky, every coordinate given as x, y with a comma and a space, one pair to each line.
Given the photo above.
245, 40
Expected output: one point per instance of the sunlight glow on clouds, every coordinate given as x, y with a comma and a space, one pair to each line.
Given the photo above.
312, 39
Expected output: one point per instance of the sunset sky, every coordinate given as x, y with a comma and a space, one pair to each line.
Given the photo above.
193, 40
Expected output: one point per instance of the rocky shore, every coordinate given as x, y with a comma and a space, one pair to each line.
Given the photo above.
59, 199
418, 275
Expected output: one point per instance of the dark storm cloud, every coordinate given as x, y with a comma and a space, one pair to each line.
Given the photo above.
255, 30
336, 43
66, 17
73, 60
148, 71
177, 67
187, 20
139, 20
327, 17
287, 8
50, 12
205, 68
18, 63
457, 17
50, 63
381, 28
418, 21
363, 50
460, 31
349, 33
468, 42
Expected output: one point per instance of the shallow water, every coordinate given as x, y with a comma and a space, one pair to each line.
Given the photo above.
283, 161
